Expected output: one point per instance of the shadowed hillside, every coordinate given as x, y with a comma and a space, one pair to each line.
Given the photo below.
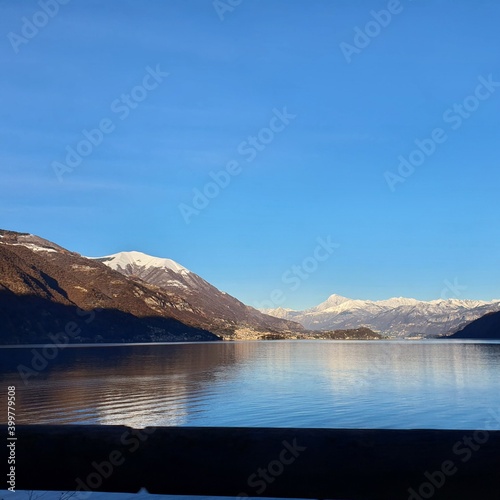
486, 327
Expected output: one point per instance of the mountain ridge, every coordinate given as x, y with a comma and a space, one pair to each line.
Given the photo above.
485, 327
395, 317
44, 289
161, 301
233, 318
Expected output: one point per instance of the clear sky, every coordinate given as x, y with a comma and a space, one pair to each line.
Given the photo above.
303, 118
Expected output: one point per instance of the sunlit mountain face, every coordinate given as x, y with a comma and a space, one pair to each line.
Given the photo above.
396, 317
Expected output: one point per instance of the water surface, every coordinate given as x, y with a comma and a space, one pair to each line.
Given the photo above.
378, 384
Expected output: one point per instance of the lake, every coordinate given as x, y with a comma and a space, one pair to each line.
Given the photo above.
338, 384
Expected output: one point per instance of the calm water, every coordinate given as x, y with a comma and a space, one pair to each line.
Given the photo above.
448, 385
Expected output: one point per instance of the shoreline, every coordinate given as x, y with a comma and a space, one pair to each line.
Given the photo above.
359, 341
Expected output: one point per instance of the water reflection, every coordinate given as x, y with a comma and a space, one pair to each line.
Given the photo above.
304, 384
137, 385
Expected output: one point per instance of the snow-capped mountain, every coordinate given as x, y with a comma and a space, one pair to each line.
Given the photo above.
126, 297
158, 271
216, 310
396, 317
147, 297
131, 260
48, 293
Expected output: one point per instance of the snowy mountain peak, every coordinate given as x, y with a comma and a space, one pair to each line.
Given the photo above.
336, 299
398, 301
395, 317
123, 259
333, 301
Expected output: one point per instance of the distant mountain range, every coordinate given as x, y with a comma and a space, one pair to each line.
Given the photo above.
48, 292
218, 311
397, 317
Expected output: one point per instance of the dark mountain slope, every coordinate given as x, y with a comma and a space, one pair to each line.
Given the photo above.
486, 327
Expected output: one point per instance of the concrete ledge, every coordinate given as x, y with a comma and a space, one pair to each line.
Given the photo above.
289, 463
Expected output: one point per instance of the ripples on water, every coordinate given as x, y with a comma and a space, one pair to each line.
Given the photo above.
266, 384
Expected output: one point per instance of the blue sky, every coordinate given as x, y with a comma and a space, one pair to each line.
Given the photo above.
324, 174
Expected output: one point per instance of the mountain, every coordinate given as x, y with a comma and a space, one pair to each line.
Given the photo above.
216, 310
48, 293
396, 317
486, 327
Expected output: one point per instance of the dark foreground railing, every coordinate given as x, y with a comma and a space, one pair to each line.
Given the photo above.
289, 463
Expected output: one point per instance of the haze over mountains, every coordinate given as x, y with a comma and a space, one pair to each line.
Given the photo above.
397, 317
